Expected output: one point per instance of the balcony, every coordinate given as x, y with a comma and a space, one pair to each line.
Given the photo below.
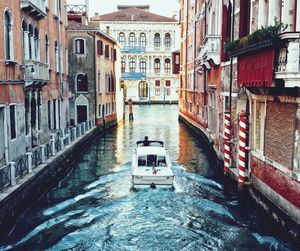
34, 8
133, 75
35, 71
134, 49
288, 67
210, 50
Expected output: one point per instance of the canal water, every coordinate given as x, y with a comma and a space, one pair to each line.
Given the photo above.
94, 207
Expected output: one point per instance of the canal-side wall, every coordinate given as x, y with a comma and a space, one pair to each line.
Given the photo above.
18, 198
287, 222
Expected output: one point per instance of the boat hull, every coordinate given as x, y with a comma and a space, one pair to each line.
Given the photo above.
138, 180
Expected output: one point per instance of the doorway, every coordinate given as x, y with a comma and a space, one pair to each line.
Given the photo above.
81, 113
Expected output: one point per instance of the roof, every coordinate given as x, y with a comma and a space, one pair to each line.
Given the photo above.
79, 26
155, 150
75, 26
135, 14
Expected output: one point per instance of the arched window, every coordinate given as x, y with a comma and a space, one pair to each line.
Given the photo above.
167, 65
79, 46
24, 39
157, 65
122, 38
132, 64
123, 64
131, 39
156, 40
47, 48
30, 41
167, 40
36, 44
142, 39
82, 82
56, 55
143, 65
8, 36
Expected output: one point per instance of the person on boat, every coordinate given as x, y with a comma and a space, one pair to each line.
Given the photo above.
130, 109
146, 141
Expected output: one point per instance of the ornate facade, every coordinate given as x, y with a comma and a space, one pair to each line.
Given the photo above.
147, 41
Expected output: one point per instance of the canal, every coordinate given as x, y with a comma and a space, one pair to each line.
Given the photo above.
94, 208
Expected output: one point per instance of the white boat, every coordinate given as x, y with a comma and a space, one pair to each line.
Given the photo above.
151, 165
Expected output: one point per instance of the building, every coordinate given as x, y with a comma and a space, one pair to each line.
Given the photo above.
240, 89
33, 75
148, 41
95, 84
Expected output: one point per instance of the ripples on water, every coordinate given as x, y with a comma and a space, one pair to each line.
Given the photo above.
95, 208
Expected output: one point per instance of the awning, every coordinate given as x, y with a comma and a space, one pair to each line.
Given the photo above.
256, 70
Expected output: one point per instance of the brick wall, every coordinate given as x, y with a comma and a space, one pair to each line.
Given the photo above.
282, 184
279, 137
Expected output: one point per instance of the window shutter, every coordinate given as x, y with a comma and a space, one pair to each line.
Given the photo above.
101, 47
115, 55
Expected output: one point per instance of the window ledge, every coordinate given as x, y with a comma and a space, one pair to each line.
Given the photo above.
82, 92
10, 62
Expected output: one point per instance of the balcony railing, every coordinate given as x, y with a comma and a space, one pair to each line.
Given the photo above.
134, 49
133, 75
34, 8
210, 49
35, 71
288, 65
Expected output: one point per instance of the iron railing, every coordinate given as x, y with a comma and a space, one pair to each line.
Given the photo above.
5, 176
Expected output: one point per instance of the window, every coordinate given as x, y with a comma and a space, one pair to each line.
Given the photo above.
8, 36
99, 47
30, 41
123, 65
47, 49
157, 65
132, 65
79, 46
177, 59
157, 87
24, 39
142, 39
122, 38
99, 81
143, 89
168, 83
36, 44
56, 55
131, 39
82, 83
49, 114
259, 125
99, 110
26, 113
107, 51
143, 65
167, 65
12, 112
167, 40
244, 24
156, 40
157, 83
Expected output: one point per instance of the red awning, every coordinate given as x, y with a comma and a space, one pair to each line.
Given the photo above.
256, 69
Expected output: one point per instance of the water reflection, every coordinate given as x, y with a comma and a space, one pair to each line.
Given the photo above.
94, 207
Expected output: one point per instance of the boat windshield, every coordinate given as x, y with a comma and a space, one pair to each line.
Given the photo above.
151, 160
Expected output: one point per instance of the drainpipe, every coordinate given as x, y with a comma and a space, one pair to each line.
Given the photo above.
5, 135
231, 59
186, 46
195, 48
59, 61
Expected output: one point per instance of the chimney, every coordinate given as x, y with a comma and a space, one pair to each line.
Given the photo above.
107, 30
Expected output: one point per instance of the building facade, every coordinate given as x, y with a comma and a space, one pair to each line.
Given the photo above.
240, 88
33, 75
147, 41
95, 86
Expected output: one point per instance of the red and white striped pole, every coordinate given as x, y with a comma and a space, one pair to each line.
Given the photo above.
242, 147
227, 136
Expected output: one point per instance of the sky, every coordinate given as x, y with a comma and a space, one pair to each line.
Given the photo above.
161, 7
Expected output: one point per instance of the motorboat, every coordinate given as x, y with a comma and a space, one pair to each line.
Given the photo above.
151, 165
